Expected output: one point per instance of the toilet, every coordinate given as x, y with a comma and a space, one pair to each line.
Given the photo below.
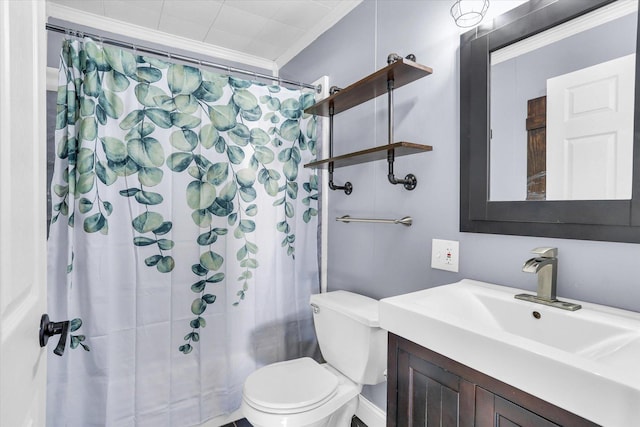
304, 393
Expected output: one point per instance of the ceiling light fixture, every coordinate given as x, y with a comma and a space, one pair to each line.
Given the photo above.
469, 13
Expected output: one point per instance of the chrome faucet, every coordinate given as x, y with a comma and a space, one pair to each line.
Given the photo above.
545, 265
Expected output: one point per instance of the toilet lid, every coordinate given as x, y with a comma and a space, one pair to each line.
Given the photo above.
291, 386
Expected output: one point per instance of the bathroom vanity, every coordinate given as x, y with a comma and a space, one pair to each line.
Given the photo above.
426, 388
471, 354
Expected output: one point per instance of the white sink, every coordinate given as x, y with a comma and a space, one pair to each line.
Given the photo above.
585, 361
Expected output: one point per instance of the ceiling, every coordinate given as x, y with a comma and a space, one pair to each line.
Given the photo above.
270, 30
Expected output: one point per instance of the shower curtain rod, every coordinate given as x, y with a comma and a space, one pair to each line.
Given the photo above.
145, 49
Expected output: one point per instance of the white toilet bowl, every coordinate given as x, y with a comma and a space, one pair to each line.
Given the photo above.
299, 393
303, 393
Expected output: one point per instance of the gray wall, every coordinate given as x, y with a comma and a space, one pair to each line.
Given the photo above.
385, 260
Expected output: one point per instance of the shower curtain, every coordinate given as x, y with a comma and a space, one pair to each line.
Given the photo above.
183, 237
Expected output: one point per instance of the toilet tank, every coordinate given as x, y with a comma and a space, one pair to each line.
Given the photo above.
350, 336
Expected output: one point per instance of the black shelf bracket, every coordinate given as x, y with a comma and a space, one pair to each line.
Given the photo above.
347, 187
410, 181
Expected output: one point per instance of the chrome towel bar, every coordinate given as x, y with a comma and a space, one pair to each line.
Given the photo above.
407, 220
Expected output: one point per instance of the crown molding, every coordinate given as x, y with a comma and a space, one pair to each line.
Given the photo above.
137, 32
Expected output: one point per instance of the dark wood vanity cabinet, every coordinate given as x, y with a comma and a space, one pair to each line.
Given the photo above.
427, 389
493, 410
429, 395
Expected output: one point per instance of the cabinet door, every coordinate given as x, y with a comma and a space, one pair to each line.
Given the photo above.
430, 396
494, 411
426, 389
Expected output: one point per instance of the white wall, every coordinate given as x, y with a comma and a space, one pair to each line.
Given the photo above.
385, 260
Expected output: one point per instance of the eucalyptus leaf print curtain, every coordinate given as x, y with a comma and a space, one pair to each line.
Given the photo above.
183, 237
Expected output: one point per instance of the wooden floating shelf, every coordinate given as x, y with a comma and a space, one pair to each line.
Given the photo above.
402, 72
370, 155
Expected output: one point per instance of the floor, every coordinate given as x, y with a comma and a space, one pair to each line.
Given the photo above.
240, 423
355, 422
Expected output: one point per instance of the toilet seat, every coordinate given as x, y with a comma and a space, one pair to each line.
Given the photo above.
289, 387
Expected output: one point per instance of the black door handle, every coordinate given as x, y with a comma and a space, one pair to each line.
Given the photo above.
49, 329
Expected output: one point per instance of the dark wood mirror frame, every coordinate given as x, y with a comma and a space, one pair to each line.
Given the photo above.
604, 220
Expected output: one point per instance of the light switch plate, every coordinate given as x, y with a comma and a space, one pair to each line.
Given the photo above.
445, 255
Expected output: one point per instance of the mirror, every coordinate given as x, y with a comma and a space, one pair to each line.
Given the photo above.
561, 110
497, 195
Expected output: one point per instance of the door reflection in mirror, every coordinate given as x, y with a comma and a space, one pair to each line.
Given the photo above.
589, 156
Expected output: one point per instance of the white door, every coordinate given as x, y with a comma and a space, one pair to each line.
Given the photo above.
590, 132
22, 212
